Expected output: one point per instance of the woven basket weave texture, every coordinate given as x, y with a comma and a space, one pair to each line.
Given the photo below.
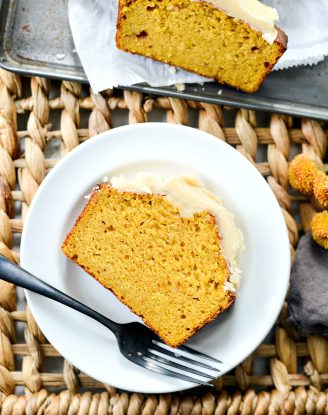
296, 368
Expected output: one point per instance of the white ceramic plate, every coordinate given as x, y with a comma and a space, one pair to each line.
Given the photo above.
166, 149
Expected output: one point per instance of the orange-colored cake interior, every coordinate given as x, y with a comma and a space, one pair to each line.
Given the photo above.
167, 269
199, 37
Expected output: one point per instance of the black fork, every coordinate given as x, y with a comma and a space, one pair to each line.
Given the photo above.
136, 342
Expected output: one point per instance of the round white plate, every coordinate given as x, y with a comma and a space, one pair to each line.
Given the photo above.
165, 149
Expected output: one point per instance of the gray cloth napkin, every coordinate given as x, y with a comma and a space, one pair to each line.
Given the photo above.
308, 298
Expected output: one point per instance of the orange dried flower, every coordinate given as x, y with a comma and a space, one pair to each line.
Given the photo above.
301, 173
319, 228
320, 188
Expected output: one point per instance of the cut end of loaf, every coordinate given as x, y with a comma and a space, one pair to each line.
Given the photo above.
167, 269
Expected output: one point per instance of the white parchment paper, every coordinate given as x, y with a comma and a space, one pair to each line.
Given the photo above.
93, 25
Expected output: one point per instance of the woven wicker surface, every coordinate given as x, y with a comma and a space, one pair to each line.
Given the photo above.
32, 121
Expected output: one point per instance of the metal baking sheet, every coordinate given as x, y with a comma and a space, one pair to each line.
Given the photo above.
35, 39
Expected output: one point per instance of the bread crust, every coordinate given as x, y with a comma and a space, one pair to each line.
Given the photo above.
281, 40
231, 296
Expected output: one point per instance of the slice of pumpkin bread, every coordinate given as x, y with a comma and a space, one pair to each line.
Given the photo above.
200, 37
167, 269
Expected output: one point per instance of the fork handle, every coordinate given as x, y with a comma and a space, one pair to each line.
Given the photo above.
17, 275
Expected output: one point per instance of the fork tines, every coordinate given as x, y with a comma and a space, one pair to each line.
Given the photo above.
181, 363
198, 354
